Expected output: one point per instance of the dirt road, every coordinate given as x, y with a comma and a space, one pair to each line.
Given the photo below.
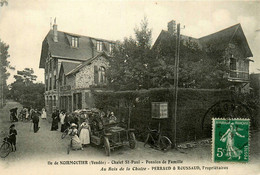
37, 150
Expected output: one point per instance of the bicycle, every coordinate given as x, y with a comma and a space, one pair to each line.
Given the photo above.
5, 148
65, 133
156, 140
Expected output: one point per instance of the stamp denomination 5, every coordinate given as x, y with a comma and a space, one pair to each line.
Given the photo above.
230, 140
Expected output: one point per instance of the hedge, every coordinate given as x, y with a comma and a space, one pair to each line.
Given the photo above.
192, 106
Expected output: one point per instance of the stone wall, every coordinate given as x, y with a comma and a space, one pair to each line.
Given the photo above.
85, 77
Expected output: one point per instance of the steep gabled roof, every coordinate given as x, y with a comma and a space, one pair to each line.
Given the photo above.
68, 66
63, 49
76, 69
165, 35
219, 40
222, 38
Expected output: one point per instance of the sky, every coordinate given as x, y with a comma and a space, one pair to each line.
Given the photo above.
25, 23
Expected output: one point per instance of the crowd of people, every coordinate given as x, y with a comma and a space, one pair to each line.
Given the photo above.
77, 125
28, 114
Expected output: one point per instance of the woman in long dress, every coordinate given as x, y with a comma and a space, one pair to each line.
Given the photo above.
75, 141
228, 137
62, 118
84, 133
26, 113
44, 115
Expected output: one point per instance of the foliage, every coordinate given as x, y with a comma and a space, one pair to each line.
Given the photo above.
3, 2
136, 66
4, 66
192, 105
26, 76
130, 65
252, 102
25, 91
197, 68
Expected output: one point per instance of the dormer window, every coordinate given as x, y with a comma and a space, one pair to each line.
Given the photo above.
74, 41
99, 45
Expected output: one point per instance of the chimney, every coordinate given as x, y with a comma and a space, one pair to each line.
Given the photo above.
172, 27
55, 31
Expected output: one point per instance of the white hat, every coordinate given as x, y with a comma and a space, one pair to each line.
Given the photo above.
73, 125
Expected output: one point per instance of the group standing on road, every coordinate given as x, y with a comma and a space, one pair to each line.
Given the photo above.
77, 126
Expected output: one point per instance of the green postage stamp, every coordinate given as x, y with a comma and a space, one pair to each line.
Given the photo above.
230, 140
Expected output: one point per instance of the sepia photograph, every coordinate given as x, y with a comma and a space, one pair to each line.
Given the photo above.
129, 87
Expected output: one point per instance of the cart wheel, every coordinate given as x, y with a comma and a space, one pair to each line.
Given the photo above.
107, 146
132, 140
165, 143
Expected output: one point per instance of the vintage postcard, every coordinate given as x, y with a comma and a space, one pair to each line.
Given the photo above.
129, 87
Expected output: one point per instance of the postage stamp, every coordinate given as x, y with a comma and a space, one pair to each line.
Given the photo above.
230, 140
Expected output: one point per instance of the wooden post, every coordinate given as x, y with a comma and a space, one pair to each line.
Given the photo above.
176, 77
129, 115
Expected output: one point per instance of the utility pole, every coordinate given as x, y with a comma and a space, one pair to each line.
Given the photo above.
176, 77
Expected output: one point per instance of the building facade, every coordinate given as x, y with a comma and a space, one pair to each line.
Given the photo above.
230, 40
72, 63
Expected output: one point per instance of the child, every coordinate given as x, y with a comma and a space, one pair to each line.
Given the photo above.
75, 141
12, 137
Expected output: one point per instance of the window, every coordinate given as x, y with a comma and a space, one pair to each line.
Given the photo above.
74, 41
54, 101
54, 82
99, 75
64, 79
99, 45
50, 66
102, 76
111, 47
50, 87
46, 83
233, 64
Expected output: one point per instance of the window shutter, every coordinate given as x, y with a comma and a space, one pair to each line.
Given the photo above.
95, 74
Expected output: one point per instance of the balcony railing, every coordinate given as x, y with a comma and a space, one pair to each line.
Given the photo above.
238, 75
65, 88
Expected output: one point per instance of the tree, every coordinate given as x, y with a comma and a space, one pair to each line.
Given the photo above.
3, 2
4, 65
130, 65
26, 75
136, 66
198, 68
25, 91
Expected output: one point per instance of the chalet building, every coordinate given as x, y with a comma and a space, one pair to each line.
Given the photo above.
255, 84
233, 41
73, 65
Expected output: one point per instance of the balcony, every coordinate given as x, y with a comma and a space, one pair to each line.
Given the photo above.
238, 76
65, 88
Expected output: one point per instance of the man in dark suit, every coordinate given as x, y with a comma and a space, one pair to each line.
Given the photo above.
35, 119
